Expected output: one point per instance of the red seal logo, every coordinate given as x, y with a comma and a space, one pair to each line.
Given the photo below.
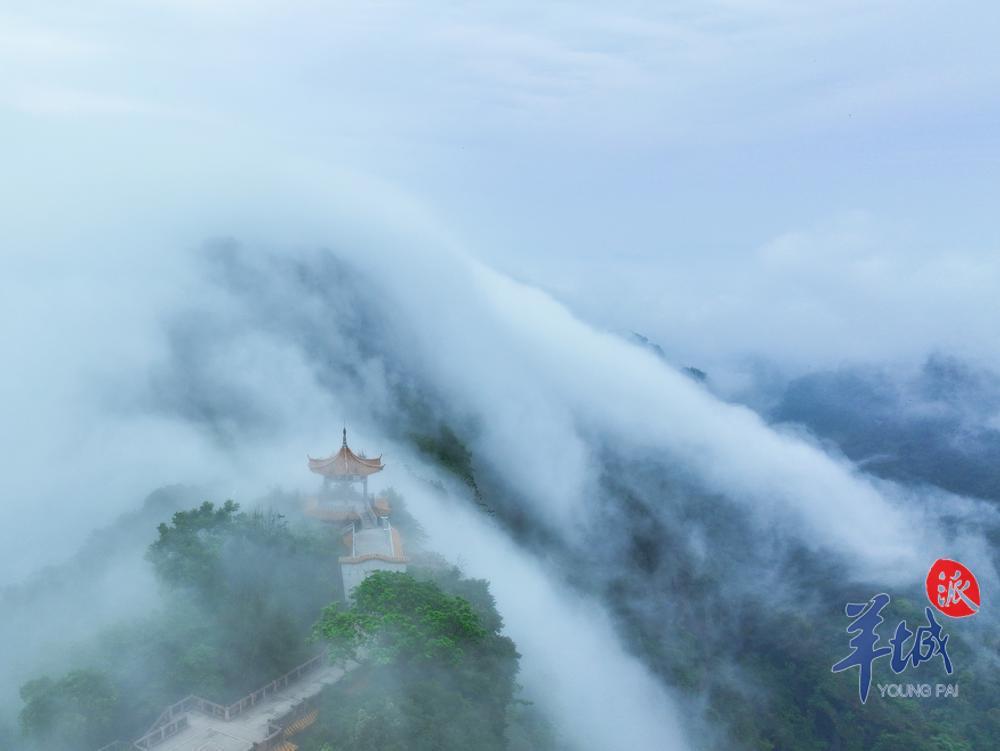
952, 588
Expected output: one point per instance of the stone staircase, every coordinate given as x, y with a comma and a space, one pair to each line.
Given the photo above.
264, 720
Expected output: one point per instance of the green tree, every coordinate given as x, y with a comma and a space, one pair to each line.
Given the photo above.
77, 710
436, 673
187, 551
244, 586
241, 592
396, 618
379, 728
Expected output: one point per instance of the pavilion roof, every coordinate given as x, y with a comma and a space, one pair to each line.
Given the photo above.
345, 463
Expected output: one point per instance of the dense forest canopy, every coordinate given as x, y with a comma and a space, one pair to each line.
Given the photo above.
247, 595
438, 673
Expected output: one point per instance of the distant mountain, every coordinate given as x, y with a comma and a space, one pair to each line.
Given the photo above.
939, 427
695, 373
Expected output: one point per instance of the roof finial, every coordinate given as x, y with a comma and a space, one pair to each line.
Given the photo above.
345, 436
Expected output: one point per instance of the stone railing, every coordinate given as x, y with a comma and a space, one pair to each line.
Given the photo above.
275, 737
273, 687
116, 746
160, 734
174, 718
174, 712
276, 734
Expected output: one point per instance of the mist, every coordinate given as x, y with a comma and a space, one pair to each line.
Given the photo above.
226, 232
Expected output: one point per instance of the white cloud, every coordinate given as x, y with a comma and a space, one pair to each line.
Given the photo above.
674, 171
571, 654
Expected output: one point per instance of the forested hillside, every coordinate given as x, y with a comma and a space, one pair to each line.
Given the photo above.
243, 595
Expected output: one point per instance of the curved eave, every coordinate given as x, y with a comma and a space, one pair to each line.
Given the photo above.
345, 464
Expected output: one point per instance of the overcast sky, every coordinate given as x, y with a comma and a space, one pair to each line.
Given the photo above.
806, 185
800, 184
811, 183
